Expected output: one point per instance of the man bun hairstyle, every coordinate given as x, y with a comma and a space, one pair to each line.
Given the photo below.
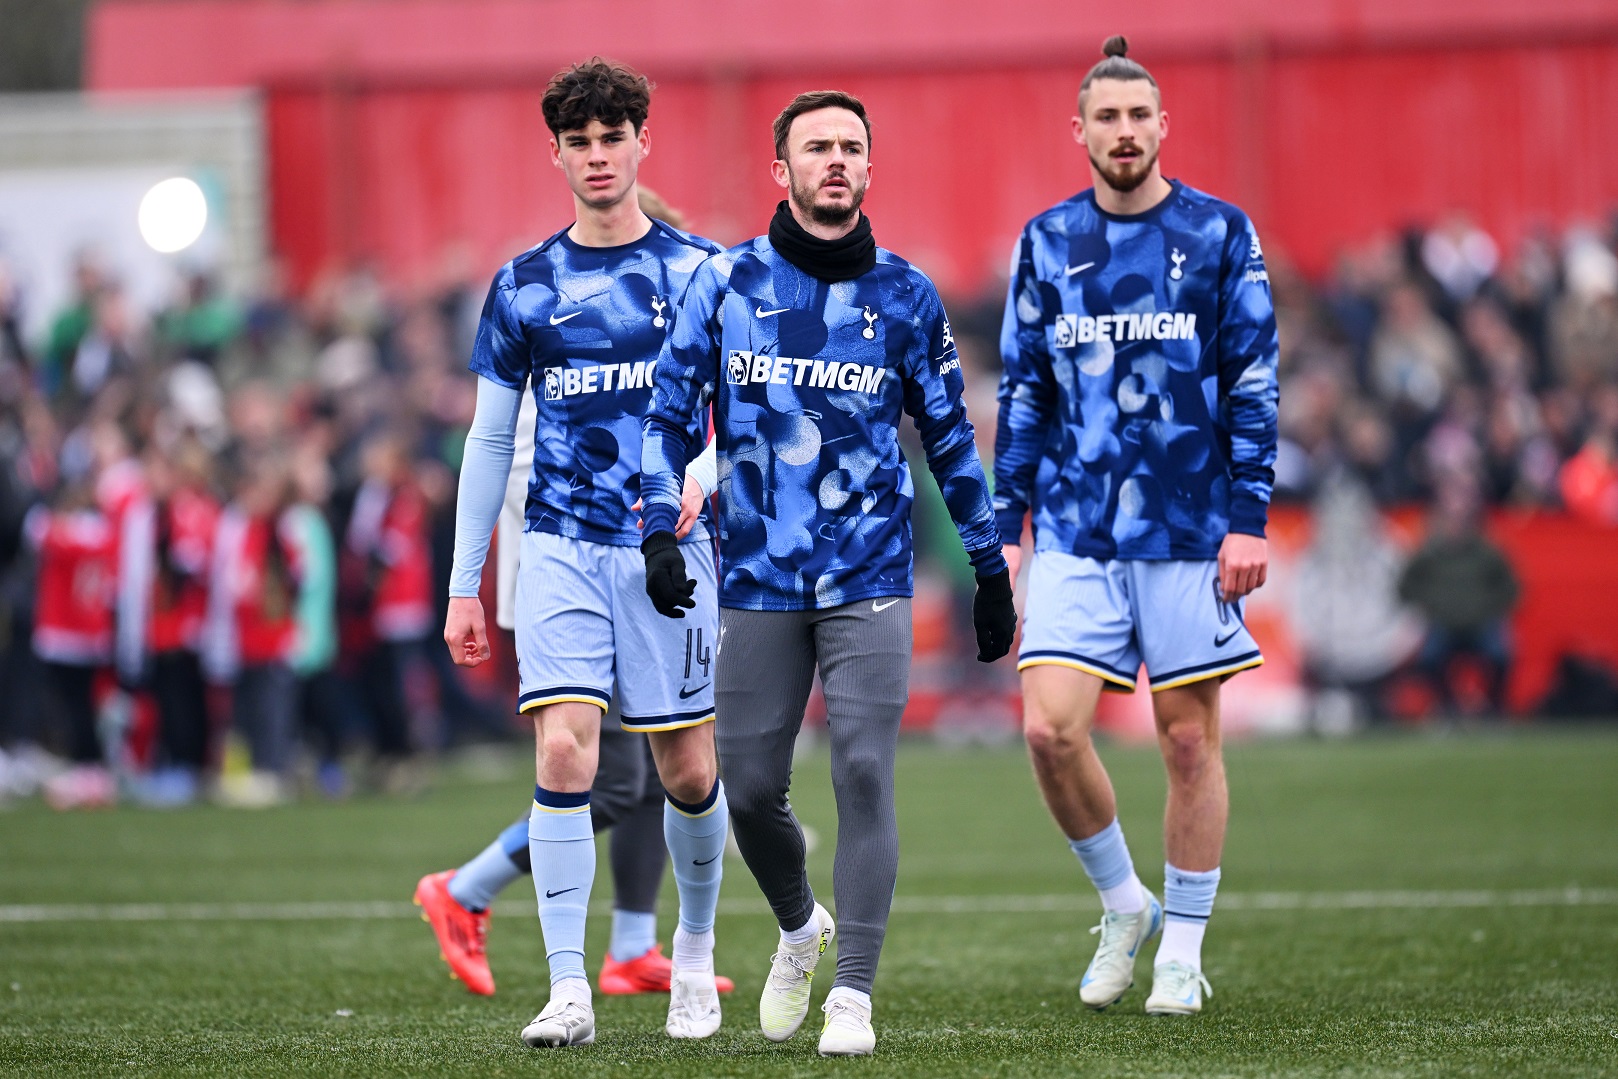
1116, 64
809, 102
596, 89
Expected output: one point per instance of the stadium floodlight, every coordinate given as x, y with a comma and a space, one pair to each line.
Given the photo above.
172, 215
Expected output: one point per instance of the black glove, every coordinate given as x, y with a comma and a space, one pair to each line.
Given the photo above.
993, 616
666, 581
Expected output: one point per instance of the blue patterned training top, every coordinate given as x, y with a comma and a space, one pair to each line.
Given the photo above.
808, 382
587, 324
1138, 403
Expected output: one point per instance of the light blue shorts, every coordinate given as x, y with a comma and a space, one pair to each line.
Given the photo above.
584, 624
1108, 618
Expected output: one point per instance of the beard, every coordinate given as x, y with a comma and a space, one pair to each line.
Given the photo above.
803, 197
1125, 177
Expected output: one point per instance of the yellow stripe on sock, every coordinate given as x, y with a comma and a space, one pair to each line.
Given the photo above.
562, 812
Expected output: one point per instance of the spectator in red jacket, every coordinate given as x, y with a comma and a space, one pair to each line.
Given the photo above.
166, 550
251, 630
73, 633
388, 543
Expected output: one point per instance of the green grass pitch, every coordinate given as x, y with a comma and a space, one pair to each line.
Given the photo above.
1394, 909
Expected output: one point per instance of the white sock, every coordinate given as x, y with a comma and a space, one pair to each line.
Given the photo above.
576, 990
1182, 943
1106, 861
693, 951
803, 934
854, 995
1125, 898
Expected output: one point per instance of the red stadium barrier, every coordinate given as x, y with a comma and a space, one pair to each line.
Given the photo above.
395, 130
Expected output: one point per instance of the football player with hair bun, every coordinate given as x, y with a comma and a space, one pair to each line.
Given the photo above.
1138, 424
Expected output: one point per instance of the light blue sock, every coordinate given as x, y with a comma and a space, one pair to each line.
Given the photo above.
634, 933
1106, 861
476, 883
695, 834
561, 844
1188, 902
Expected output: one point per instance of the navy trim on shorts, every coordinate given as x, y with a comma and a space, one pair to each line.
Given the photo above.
1077, 657
562, 691
665, 720
1230, 661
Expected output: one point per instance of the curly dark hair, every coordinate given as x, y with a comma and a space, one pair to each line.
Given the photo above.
596, 89
809, 102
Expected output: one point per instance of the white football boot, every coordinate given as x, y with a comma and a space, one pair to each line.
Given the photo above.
785, 1002
563, 1022
1112, 971
847, 1032
693, 1004
1176, 990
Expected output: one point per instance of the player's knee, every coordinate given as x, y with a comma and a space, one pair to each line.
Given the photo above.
689, 781
862, 777
1052, 741
1188, 745
561, 747
751, 796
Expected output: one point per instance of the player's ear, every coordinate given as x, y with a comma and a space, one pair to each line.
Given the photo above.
556, 152
1162, 125
644, 138
1078, 130
783, 177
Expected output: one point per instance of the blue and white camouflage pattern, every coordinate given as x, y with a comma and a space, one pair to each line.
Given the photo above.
1138, 402
808, 382
587, 325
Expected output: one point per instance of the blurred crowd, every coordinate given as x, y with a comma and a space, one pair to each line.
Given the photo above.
1433, 359
225, 540
226, 528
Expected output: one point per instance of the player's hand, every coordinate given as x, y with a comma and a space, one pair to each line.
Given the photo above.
666, 582
1013, 554
691, 500
465, 633
993, 616
1244, 565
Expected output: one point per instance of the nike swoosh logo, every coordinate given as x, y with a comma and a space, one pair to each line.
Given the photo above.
564, 891
1071, 270
761, 313
684, 696
710, 861
571, 314
1220, 642
883, 606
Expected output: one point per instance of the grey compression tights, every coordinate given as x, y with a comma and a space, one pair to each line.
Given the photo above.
766, 663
